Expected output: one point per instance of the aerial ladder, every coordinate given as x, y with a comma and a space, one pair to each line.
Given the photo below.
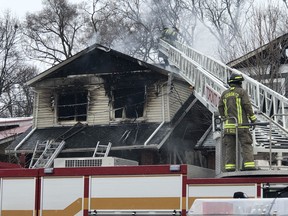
209, 79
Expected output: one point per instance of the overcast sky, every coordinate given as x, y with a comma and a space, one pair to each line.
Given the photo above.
19, 8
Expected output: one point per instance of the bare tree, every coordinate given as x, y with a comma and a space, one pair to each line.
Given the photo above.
23, 95
189, 14
56, 32
168, 12
267, 41
106, 22
10, 59
285, 2
139, 36
225, 20
133, 26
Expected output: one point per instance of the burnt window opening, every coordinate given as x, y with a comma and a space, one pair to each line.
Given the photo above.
72, 106
129, 102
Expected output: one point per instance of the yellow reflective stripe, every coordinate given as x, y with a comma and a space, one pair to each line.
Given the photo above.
230, 166
239, 110
243, 127
225, 107
225, 111
253, 117
229, 126
249, 164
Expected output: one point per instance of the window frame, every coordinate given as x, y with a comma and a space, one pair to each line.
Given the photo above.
131, 98
77, 100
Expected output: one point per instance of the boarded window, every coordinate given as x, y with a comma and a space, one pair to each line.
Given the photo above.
72, 106
129, 102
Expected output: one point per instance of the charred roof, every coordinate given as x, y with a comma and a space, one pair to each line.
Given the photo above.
97, 60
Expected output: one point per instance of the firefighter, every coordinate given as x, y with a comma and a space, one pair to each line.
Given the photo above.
170, 35
235, 105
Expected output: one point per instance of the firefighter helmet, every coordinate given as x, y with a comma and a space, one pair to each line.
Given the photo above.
235, 78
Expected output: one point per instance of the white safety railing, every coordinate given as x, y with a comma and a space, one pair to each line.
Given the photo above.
209, 77
207, 89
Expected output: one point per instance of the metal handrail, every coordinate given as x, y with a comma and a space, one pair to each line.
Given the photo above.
209, 77
270, 138
215, 74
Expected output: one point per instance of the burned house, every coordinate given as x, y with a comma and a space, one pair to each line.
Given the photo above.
101, 96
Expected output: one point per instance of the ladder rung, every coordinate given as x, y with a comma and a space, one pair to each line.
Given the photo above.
100, 153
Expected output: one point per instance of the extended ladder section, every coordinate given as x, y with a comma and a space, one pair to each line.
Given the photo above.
102, 150
45, 152
209, 79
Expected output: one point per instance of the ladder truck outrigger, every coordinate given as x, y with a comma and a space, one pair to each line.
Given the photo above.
209, 79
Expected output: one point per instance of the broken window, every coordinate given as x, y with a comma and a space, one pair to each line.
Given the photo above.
129, 102
72, 106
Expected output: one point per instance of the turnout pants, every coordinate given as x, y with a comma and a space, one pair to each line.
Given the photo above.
245, 141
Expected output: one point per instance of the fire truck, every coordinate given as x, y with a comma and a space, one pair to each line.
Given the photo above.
122, 190
129, 189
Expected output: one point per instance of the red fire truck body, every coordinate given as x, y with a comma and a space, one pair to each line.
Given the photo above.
119, 190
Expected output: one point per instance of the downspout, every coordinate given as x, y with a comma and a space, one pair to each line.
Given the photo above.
22, 141
34, 121
36, 103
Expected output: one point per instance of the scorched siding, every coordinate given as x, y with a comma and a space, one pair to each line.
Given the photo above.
179, 93
154, 104
98, 110
45, 112
35, 110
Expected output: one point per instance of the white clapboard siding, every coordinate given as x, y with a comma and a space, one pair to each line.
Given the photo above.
154, 105
35, 110
45, 113
98, 111
178, 96
166, 105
